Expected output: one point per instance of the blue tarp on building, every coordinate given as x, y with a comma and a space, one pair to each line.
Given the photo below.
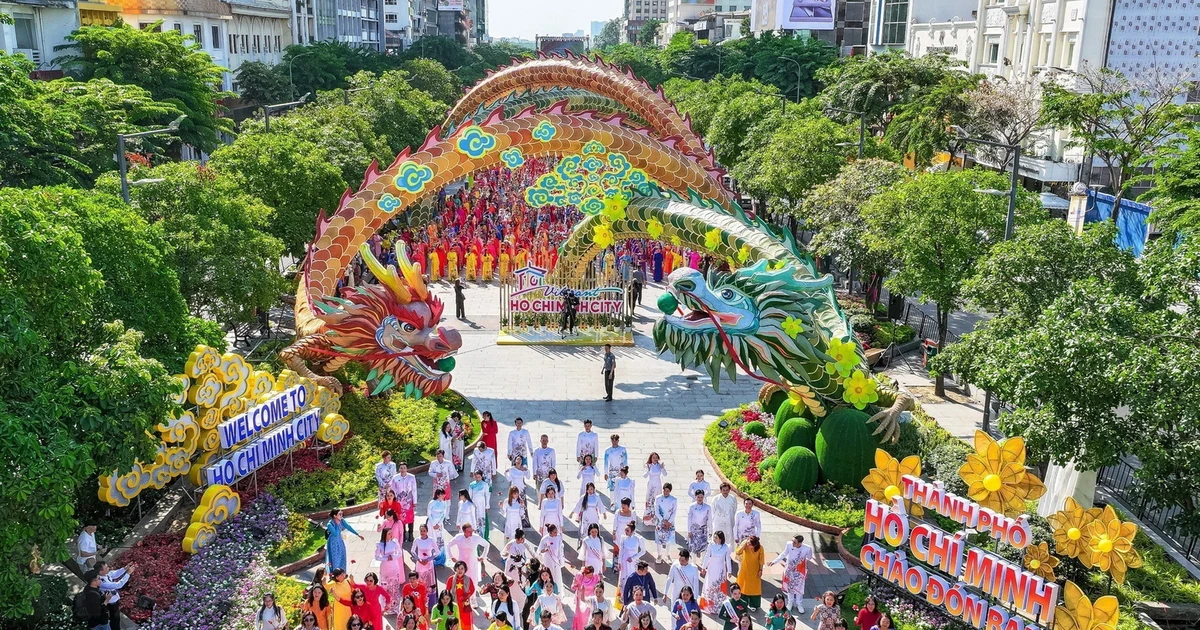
1133, 223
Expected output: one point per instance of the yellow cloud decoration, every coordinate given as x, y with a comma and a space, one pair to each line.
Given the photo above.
218, 504
197, 536
1070, 526
333, 428
1039, 561
996, 477
884, 480
1077, 612
1110, 545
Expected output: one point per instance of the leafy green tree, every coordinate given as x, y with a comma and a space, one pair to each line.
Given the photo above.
340, 130
834, 210
790, 62
648, 32
921, 125
398, 114
1176, 192
262, 83
610, 35
293, 176
434, 79
500, 54
798, 155
167, 64
78, 397
328, 65
937, 229
702, 100
876, 83
64, 131
444, 50
226, 260
1125, 122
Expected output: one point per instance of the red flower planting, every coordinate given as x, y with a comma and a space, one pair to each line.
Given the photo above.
751, 450
750, 415
158, 559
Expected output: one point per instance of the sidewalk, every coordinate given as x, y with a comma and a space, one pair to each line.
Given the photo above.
961, 414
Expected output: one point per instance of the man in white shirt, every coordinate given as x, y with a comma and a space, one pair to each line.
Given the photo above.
724, 509
698, 485
111, 580
384, 471
615, 457
86, 553
588, 443
465, 547
544, 459
484, 462
749, 523
520, 445
683, 573
546, 623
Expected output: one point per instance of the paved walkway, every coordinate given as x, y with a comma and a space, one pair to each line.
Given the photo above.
656, 408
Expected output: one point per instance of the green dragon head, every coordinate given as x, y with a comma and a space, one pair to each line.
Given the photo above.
774, 323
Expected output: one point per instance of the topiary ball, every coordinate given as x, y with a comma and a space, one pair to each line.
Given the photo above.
797, 432
768, 464
797, 470
755, 428
787, 412
845, 447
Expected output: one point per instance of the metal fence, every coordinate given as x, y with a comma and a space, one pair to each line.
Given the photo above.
1120, 479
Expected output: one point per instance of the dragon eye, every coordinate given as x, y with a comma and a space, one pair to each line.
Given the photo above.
407, 327
727, 294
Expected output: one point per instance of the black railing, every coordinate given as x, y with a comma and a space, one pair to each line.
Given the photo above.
1121, 481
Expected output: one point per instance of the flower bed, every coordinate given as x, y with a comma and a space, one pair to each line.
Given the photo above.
906, 613
159, 559
211, 579
738, 456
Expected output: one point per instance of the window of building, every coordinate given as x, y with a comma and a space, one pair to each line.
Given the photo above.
894, 23
198, 34
216, 37
1069, 51
232, 43
391, 18
178, 27
25, 33
720, 8
993, 54
256, 41
277, 47
245, 43
1193, 95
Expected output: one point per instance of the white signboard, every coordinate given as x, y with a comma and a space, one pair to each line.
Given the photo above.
812, 15
450, 5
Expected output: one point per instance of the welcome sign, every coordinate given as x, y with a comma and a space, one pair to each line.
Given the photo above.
948, 572
533, 295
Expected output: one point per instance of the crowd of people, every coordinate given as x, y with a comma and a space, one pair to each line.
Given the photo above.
485, 230
717, 571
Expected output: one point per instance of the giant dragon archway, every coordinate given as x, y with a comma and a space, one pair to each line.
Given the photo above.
772, 316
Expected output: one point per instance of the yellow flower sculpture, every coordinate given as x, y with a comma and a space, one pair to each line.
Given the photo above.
883, 482
844, 355
743, 253
1070, 525
792, 327
614, 208
995, 475
602, 235
1039, 560
1079, 613
1110, 545
654, 228
712, 238
860, 390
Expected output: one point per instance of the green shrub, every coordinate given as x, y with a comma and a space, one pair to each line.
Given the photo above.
302, 540
863, 323
407, 427
797, 432
767, 464
786, 412
755, 428
887, 333
51, 608
306, 492
943, 463
774, 401
845, 447
797, 470
288, 592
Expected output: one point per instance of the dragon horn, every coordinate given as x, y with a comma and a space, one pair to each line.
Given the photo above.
386, 275
411, 273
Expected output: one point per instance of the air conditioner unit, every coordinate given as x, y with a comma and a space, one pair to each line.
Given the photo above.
33, 55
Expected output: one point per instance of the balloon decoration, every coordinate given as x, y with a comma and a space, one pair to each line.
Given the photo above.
214, 387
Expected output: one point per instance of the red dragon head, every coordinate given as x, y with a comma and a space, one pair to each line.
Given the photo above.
391, 328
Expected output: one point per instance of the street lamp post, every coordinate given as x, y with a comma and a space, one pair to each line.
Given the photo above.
799, 71
291, 85
862, 126
346, 93
782, 100
267, 109
1012, 192
123, 164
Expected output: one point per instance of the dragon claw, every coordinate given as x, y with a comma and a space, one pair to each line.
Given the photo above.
889, 419
330, 383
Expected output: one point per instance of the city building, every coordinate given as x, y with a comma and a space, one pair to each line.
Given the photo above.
207, 21
38, 26
1036, 40
682, 15
397, 25
258, 31
360, 22
479, 22
843, 24
717, 27
637, 12
596, 29
453, 20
